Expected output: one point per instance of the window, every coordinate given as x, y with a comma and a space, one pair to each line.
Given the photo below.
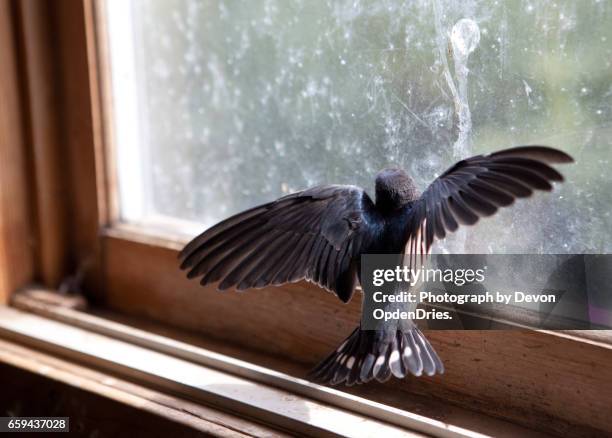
156, 119
219, 106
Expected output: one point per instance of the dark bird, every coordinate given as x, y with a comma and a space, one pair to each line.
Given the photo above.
319, 235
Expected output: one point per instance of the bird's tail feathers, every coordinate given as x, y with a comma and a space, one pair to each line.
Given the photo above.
374, 354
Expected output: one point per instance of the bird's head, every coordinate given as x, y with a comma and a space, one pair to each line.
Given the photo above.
394, 189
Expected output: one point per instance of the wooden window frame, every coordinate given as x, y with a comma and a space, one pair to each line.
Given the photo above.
59, 78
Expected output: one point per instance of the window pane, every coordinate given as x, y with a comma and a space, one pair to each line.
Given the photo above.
220, 106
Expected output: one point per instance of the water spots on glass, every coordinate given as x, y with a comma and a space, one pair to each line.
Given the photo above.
241, 102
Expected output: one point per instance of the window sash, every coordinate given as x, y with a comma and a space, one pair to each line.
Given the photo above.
134, 271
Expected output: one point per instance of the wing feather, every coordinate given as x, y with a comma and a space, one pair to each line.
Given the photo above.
315, 234
477, 187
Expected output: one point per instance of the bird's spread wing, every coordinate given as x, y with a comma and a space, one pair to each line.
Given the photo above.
315, 234
477, 187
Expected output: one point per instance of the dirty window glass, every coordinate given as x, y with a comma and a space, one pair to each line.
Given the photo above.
221, 105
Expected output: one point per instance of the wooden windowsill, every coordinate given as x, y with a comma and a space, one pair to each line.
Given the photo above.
512, 375
417, 414
158, 413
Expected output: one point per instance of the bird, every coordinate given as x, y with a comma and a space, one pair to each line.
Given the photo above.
319, 235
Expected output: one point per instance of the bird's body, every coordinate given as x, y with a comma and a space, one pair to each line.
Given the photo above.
320, 234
